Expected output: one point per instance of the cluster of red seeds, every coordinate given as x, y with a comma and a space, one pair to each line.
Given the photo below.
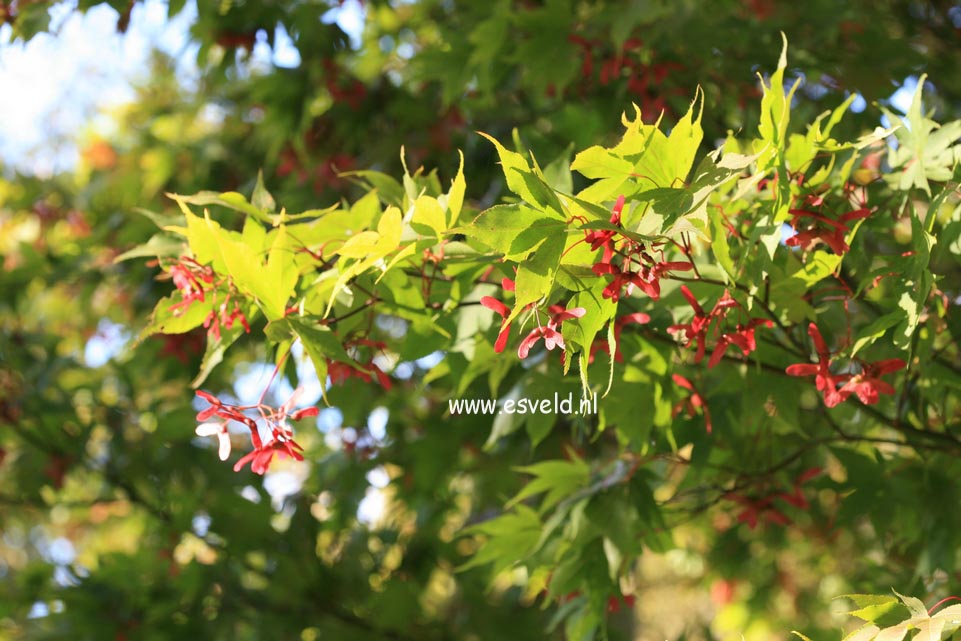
281, 441
820, 227
866, 384
363, 368
629, 262
696, 331
764, 507
556, 314
645, 81
693, 403
197, 283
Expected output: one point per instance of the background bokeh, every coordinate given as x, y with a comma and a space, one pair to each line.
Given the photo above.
117, 523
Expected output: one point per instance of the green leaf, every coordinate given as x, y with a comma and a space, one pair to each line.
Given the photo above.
876, 330
598, 312
894, 633
598, 162
679, 209
535, 277
271, 285
521, 178
261, 198
455, 197
279, 278
775, 104
202, 235
873, 608
240, 256
511, 537
319, 342
914, 605
229, 199
504, 423
556, 479
513, 230
159, 245
369, 248
538, 426
360, 246
160, 220
557, 174
864, 633
539, 387
165, 321
614, 559
387, 188
719, 244
214, 353
656, 533
254, 236
683, 143
818, 266
917, 285
429, 216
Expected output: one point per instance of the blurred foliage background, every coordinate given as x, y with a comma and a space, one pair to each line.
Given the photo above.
117, 523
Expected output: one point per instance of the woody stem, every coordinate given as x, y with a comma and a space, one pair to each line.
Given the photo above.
273, 375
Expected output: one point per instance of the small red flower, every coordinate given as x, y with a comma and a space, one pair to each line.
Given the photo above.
832, 236
215, 405
307, 412
742, 336
758, 509
622, 279
500, 308
614, 602
647, 279
692, 403
228, 319
605, 237
340, 371
192, 280
552, 337
504, 311
274, 418
653, 274
219, 409
225, 315
868, 384
696, 330
228, 413
824, 381
796, 496
260, 458
196, 282
648, 271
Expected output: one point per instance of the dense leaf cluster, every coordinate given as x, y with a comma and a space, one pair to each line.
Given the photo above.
765, 321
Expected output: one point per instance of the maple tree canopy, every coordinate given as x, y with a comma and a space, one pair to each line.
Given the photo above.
248, 343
